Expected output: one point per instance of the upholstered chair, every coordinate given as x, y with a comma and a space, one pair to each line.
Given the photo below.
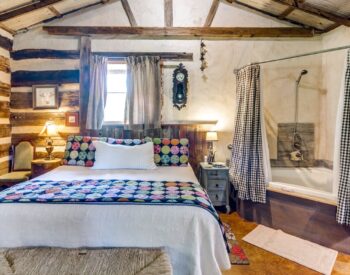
23, 154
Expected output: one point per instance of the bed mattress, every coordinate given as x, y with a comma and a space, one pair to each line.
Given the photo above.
191, 235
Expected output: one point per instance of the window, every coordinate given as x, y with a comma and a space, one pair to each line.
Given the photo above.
116, 93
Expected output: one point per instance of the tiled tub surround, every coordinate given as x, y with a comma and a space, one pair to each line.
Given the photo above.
285, 145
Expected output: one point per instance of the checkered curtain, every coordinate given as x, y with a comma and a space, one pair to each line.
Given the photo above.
247, 165
343, 211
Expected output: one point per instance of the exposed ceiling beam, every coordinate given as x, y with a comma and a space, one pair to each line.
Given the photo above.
286, 12
168, 13
28, 8
129, 13
179, 32
311, 10
212, 12
54, 11
11, 31
300, 6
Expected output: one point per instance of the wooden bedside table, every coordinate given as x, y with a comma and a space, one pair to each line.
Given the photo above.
42, 166
216, 182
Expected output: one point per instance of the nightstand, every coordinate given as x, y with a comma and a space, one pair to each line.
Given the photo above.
216, 182
42, 166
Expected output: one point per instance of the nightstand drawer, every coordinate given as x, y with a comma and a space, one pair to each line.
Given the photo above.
217, 174
217, 197
217, 184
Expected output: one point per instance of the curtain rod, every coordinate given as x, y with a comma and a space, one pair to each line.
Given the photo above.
296, 56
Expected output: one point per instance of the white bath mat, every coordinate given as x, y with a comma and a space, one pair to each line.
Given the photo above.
306, 253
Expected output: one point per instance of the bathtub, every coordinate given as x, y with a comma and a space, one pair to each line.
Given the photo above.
314, 182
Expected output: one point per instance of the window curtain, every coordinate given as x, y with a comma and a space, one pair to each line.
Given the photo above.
248, 167
98, 92
143, 99
341, 171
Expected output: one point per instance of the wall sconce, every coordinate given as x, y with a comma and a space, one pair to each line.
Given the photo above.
203, 51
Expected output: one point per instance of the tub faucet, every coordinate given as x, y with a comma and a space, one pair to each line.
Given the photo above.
296, 156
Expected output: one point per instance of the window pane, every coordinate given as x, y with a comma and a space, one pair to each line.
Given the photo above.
114, 110
116, 66
116, 82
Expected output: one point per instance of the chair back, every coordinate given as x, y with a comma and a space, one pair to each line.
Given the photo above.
22, 156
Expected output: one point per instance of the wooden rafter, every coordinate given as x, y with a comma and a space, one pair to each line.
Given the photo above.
214, 33
286, 12
297, 6
27, 8
168, 13
314, 11
212, 12
129, 13
54, 11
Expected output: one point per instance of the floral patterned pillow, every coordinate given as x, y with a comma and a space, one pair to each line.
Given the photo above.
170, 152
80, 150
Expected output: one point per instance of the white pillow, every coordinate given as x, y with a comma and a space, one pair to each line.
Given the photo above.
111, 156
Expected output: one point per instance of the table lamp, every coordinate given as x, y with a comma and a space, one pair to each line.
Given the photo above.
49, 131
211, 136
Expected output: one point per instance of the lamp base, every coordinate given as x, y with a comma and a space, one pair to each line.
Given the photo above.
49, 150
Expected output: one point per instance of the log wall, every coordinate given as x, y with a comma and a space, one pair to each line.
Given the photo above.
46, 67
5, 88
34, 67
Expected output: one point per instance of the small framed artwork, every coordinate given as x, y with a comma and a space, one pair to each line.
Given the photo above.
72, 119
45, 97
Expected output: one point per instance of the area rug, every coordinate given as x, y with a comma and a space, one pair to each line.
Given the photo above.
311, 255
121, 261
237, 255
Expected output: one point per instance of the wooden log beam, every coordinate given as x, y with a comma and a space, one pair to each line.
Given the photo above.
68, 54
129, 13
168, 13
29, 78
85, 55
28, 8
36, 118
212, 12
166, 56
44, 53
217, 33
5, 130
24, 100
286, 12
6, 43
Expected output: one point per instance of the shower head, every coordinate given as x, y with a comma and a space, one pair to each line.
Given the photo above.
303, 72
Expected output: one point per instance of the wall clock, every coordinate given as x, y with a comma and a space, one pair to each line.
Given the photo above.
180, 81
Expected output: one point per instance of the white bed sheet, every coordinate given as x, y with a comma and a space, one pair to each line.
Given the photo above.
191, 235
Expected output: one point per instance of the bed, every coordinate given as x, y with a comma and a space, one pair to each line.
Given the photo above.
191, 235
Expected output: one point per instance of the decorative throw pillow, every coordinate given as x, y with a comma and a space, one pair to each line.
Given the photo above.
80, 150
115, 156
170, 152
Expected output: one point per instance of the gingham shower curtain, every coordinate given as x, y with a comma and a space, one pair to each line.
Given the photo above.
342, 153
247, 162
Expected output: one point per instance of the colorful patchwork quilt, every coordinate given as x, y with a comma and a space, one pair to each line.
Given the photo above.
111, 192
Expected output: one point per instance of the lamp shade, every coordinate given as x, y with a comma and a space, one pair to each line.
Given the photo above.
211, 136
49, 130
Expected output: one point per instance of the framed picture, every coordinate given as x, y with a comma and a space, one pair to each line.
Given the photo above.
72, 119
45, 97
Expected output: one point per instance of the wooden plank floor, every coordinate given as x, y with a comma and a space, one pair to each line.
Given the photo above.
265, 263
